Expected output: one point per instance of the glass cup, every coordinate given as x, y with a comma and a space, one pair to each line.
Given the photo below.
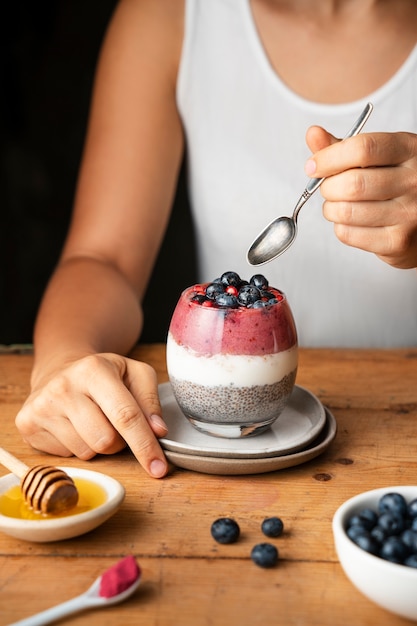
232, 370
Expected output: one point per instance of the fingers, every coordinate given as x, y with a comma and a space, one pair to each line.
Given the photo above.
318, 138
133, 412
364, 150
60, 420
370, 191
369, 184
98, 405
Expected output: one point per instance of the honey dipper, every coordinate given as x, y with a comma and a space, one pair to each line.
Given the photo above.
46, 489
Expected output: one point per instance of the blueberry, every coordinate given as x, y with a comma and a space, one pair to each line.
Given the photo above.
264, 555
248, 294
199, 298
259, 281
259, 304
272, 527
411, 561
267, 295
378, 534
230, 278
409, 538
365, 541
227, 300
412, 509
366, 518
355, 530
213, 289
393, 502
225, 530
391, 523
394, 550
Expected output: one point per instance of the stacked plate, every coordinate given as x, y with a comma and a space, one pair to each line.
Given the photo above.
303, 431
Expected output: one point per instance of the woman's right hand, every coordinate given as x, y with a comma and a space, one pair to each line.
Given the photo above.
97, 405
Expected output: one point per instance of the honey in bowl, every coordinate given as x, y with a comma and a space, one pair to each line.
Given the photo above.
91, 496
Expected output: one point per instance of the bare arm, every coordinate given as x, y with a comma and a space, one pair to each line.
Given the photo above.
92, 305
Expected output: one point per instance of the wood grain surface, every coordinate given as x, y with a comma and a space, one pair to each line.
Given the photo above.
189, 579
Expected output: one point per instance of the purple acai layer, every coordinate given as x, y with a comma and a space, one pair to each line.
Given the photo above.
253, 331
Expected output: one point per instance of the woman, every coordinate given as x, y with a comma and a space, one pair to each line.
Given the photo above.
238, 83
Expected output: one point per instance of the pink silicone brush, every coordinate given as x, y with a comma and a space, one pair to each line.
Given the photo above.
115, 585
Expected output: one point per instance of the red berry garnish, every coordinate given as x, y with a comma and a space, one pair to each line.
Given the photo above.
231, 290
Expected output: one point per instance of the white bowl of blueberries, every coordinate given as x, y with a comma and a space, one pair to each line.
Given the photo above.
375, 536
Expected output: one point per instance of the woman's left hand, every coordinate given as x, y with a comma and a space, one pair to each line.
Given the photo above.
370, 191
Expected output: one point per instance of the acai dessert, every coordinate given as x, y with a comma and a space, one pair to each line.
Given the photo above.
232, 355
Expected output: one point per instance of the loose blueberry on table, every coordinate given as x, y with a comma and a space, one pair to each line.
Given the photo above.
272, 527
264, 555
390, 532
225, 530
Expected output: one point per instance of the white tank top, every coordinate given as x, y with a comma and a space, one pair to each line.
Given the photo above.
245, 135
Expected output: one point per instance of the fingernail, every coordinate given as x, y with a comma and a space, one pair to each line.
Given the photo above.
310, 167
158, 468
159, 422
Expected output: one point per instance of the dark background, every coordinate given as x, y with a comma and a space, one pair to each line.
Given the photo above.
48, 52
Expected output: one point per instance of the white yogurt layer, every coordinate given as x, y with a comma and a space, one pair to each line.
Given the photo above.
226, 369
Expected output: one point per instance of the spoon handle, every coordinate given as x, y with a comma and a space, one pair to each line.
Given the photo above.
79, 603
12, 463
315, 183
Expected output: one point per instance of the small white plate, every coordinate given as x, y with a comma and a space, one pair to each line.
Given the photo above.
227, 466
300, 422
56, 529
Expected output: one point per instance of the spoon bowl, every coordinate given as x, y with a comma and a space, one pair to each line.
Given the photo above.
278, 236
65, 527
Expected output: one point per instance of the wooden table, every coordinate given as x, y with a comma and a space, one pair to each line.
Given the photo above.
188, 579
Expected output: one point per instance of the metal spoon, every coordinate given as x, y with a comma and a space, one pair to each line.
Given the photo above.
277, 237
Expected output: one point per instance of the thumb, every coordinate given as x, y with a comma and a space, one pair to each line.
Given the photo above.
318, 138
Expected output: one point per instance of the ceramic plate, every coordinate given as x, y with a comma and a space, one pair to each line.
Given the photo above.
227, 466
299, 423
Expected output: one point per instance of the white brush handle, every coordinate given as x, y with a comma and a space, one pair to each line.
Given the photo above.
12, 463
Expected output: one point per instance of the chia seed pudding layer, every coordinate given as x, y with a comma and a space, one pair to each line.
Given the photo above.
225, 404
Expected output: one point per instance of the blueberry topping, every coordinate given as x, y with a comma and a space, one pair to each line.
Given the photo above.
230, 278
253, 294
259, 304
199, 298
264, 555
227, 300
272, 527
259, 281
225, 530
213, 290
249, 294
